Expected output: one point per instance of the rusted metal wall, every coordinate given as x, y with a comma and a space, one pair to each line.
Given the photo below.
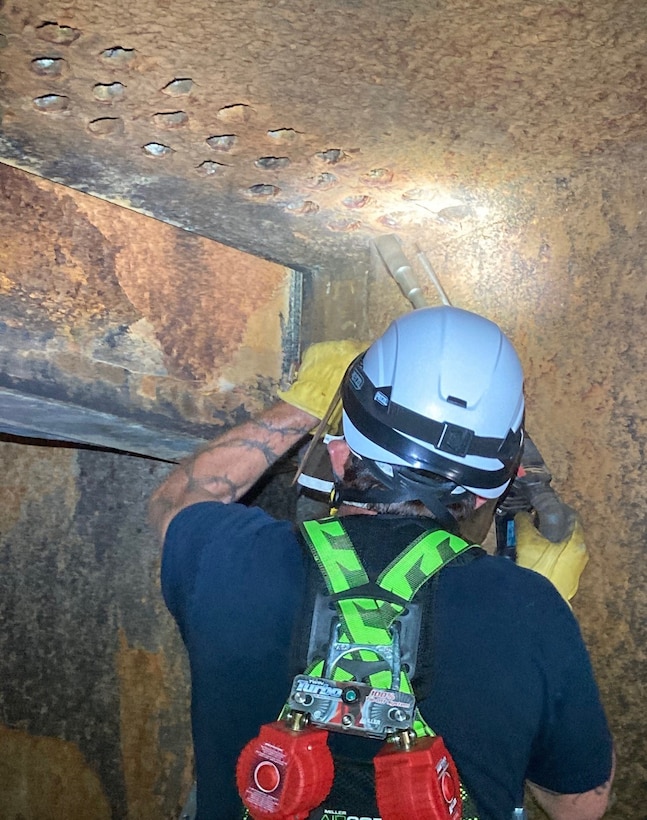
323, 122
568, 284
506, 138
564, 273
94, 697
94, 692
111, 311
96, 340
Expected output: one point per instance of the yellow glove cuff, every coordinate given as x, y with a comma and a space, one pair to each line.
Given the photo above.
562, 563
320, 374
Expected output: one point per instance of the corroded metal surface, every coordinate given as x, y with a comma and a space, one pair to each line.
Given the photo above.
506, 138
324, 123
94, 693
94, 713
106, 309
47, 777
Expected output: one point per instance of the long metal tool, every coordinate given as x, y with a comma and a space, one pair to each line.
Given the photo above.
389, 250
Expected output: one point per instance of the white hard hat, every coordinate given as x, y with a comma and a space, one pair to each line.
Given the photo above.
441, 391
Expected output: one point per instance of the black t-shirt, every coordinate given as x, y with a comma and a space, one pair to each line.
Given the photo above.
512, 691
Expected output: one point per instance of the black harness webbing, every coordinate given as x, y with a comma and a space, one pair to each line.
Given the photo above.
367, 612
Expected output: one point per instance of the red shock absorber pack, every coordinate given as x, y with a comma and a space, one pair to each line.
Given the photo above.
285, 772
417, 778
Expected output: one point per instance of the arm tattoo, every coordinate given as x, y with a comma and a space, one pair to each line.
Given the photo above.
225, 468
281, 430
269, 454
218, 486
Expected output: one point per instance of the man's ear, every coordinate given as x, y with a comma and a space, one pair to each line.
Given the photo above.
479, 502
339, 452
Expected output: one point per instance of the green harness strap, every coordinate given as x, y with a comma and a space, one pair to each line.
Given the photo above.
368, 620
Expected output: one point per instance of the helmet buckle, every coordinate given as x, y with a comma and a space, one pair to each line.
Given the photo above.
455, 439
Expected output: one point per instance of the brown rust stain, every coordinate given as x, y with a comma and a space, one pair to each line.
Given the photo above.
46, 777
502, 75
137, 306
414, 89
256, 356
145, 703
29, 473
197, 295
561, 266
58, 268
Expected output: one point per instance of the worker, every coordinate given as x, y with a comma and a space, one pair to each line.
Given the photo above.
432, 437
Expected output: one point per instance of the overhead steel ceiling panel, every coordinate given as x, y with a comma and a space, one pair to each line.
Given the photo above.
297, 131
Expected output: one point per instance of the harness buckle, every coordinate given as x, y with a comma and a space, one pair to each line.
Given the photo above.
353, 706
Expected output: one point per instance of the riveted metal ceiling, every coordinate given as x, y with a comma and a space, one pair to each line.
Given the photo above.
298, 131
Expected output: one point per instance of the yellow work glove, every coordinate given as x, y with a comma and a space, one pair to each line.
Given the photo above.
320, 374
562, 563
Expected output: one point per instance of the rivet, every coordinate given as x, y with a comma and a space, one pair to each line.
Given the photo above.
60, 35
48, 66
118, 56
222, 142
236, 113
109, 92
344, 225
283, 135
416, 193
171, 119
377, 176
52, 103
209, 167
322, 181
263, 191
356, 201
178, 87
332, 156
104, 126
392, 220
157, 150
272, 163
302, 208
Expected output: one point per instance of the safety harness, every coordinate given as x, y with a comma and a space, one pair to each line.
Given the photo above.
362, 686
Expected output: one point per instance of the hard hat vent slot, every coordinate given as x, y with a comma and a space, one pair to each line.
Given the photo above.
458, 402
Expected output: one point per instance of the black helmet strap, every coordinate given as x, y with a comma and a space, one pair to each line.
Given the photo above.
413, 453
362, 399
404, 485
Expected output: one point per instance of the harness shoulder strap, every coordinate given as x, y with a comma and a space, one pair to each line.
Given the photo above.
368, 610
342, 569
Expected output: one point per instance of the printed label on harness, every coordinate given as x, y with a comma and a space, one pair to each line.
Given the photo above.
264, 790
340, 814
351, 706
320, 688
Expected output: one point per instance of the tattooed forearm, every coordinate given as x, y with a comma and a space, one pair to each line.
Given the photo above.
269, 454
219, 487
227, 467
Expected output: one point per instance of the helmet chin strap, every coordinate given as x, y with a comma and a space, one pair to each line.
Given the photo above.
403, 485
